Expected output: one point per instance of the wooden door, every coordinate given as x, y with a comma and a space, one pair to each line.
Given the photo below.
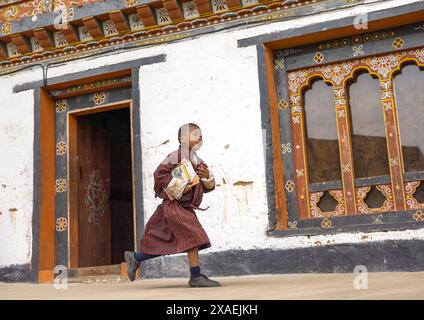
94, 213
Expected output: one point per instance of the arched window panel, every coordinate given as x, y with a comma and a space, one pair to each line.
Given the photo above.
409, 95
367, 127
321, 133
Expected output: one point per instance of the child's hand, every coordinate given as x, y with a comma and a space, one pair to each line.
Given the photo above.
203, 171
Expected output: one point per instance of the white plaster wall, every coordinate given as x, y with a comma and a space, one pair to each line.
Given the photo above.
207, 80
16, 172
215, 84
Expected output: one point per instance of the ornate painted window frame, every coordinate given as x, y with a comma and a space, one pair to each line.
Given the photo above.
280, 53
382, 54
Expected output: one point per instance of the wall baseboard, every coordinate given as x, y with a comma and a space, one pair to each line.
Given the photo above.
15, 273
381, 256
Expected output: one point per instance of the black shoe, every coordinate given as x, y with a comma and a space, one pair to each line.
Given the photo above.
132, 265
203, 281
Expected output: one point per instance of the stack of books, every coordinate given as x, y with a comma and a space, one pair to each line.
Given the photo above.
186, 172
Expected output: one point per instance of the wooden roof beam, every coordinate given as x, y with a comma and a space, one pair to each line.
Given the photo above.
22, 43
94, 27
203, 6
174, 9
120, 20
44, 37
71, 33
147, 15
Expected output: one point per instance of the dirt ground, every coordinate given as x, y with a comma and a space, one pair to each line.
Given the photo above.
407, 285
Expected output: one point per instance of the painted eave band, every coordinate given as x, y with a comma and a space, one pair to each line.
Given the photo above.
325, 26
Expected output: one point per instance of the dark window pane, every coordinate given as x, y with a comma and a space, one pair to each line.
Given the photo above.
419, 193
327, 203
321, 131
409, 93
374, 199
367, 125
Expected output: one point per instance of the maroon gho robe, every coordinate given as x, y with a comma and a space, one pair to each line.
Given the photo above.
174, 226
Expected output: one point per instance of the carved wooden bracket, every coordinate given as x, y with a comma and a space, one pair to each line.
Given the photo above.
174, 9
94, 27
44, 37
147, 15
71, 33
3, 50
22, 43
203, 6
233, 3
120, 20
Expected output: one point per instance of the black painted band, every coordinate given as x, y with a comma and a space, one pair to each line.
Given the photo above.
376, 256
16, 273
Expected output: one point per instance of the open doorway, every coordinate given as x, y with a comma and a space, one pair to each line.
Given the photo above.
101, 199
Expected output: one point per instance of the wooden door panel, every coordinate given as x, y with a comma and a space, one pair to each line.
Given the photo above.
94, 213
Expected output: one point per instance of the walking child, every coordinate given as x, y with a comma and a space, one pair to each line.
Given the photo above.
174, 226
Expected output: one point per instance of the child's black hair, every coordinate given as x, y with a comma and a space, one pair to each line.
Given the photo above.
190, 126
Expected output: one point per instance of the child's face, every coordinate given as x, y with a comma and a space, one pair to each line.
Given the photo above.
195, 139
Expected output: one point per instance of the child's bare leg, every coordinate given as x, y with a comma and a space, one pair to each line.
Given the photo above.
193, 257
193, 261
